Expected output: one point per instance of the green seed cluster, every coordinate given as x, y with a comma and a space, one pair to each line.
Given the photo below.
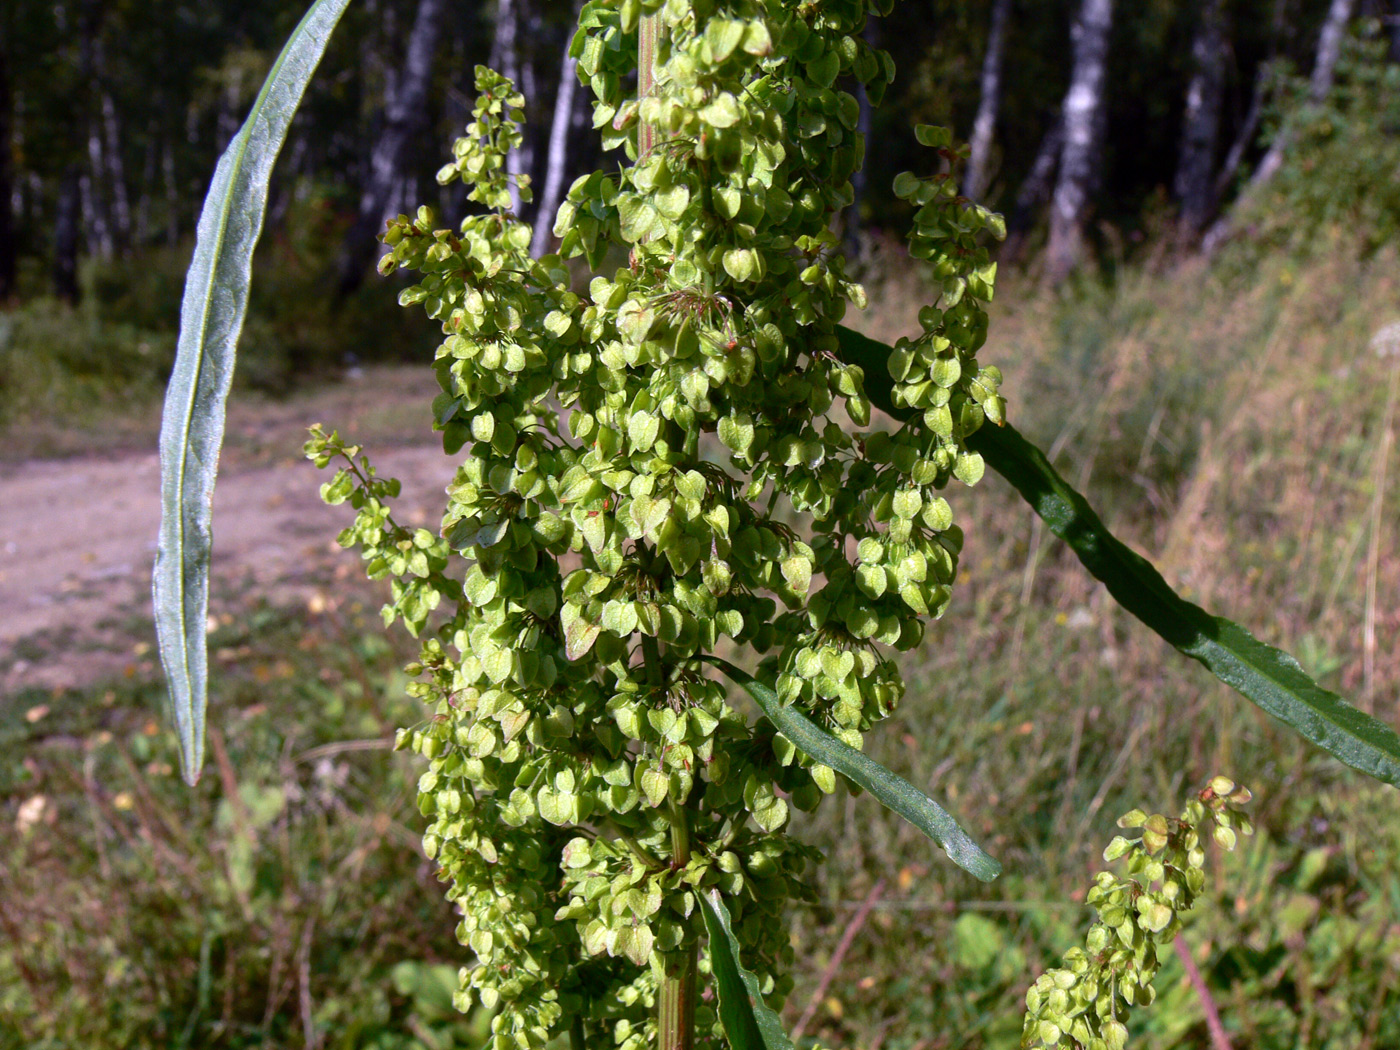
641, 450
1084, 1003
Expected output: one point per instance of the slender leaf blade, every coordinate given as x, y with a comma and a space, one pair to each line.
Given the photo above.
896, 793
748, 1022
1266, 676
192, 425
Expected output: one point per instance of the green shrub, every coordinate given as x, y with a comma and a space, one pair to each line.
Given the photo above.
1342, 168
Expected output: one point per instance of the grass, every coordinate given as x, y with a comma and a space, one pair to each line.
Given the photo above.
1232, 430
283, 902
1229, 421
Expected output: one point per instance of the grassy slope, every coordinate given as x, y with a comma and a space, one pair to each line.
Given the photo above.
1228, 422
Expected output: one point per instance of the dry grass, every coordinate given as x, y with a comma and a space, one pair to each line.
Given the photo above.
1235, 430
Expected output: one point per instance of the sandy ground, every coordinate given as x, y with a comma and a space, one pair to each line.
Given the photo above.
77, 539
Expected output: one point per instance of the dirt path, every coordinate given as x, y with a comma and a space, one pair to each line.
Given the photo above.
77, 538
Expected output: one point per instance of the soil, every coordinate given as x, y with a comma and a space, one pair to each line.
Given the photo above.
77, 535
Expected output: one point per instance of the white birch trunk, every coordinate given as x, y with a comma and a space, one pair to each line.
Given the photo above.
557, 163
505, 59
402, 118
96, 217
1035, 190
977, 176
1080, 156
1194, 185
1245, 136
172, 194
1329, 47
116, 173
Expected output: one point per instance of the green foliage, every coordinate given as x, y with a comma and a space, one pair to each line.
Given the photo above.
74, 377
593, 554
896, 793
1084, 1003
479, 158
602, 549
1308, 946
279, 904
211, 318
56, 359
748, 1022
1341, 172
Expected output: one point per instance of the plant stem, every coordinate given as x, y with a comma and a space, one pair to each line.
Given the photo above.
675, 1002
649, 35
675, 999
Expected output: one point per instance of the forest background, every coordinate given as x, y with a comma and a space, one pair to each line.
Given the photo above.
1198, 316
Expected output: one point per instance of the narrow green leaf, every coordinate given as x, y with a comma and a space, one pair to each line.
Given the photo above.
192, 427
748, 1022
892, 790
1268, 677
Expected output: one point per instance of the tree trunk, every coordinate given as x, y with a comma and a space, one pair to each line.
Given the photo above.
403, 119
141, 214
172, 194
1034, 191
527, 160
1194, 185
9, 250
1245, 137
1324, 69
1247, 131
1081, 157
1329, 47
109, 180
557, 165
977, 177
506, 60
115, 173
65, 238
96, 216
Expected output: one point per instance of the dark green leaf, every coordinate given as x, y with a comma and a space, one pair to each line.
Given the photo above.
748, 1023
192, 427
893, 791
1267, 676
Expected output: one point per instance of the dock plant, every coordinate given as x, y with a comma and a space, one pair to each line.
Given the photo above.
694, 522
669, 463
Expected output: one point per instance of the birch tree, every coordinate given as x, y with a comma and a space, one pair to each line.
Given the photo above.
557, 162
989, 103
403, 119
1250, 126
1194, 185
508, 58
1035, 190
1329, 48
1081, 155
